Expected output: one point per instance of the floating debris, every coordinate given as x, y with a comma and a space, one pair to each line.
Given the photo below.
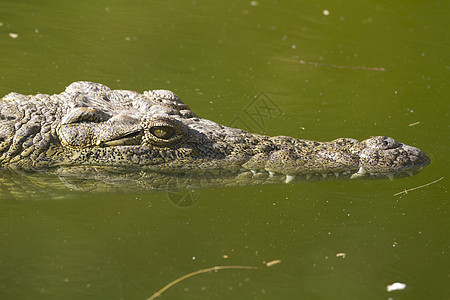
396, 286
273, 263
419, 187
216, 268
325, 65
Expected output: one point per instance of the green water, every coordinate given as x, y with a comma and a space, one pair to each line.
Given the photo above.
333, 69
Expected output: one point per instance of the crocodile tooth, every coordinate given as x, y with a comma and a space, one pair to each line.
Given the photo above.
324, 175
308, 176
336, 174
358, 174
271, 173
254, 172
289, 178
390, 176
361, 171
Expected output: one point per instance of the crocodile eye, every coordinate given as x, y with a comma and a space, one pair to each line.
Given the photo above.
162, 132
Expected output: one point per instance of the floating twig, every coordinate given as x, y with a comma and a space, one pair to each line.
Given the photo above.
216, 268
273, 263
419, 187
413, 124
318, 64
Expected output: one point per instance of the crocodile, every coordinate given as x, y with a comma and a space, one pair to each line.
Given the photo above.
154, 140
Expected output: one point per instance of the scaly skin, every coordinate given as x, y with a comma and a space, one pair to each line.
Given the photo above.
91, 127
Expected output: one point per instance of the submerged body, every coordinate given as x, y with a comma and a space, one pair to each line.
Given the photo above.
90, 129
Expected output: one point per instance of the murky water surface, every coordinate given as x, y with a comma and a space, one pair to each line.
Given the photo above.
331, 70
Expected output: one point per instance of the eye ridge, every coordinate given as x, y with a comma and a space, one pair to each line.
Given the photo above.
85, 115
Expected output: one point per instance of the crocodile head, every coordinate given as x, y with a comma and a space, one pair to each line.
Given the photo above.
93, 127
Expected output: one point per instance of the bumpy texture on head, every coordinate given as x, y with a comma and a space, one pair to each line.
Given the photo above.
90, 125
